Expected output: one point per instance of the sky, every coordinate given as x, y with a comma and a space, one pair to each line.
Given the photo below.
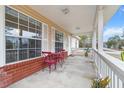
115, 26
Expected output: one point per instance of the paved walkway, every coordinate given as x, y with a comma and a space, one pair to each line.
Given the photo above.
77, 72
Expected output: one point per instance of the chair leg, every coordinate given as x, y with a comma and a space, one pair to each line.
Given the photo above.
49, 68
55, 66
61, 63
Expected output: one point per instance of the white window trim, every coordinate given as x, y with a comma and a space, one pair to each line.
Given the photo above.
45, 40
2, 36
65, 41
70, 43
53, 39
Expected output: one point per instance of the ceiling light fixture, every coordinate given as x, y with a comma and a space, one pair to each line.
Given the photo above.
65, 10
77, 28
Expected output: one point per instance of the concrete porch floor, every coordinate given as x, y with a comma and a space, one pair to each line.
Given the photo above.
77, 72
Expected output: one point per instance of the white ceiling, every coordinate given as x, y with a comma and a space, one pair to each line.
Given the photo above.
79, 16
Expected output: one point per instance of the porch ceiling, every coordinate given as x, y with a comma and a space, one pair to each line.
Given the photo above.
79, 19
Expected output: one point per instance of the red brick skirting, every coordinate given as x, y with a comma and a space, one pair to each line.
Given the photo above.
14, 72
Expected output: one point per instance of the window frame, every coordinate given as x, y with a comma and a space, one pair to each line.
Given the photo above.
23, 37
59, 43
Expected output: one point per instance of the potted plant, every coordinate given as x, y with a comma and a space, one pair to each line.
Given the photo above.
86, 53
101, 83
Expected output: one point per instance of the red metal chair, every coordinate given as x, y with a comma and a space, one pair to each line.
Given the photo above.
45, 53
59, 58
49, 60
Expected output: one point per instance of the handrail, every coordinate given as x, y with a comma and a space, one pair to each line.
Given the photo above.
113, 64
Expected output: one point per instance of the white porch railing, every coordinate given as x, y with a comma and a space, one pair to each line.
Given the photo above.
110, 66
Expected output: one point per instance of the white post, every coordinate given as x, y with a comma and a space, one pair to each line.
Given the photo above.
94, 40
69, 47
2, 35
100, 28
77, 43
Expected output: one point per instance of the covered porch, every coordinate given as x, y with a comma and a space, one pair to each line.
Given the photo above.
54, 28
77, 72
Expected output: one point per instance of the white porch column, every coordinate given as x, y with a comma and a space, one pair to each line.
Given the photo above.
69, 47
2, 35
100, 28
77, 43
94, 40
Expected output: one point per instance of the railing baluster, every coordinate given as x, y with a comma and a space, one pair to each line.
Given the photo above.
106, 70
94, 57
100, 64
110, 74
122, 84
113, 80
97, 62
117, 82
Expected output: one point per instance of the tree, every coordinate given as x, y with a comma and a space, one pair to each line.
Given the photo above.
113, 42
82, 40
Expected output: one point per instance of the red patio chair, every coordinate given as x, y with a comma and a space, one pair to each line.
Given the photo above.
49, 60
59, 58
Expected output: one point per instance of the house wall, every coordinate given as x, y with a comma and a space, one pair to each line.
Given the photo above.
29, 11
10, 73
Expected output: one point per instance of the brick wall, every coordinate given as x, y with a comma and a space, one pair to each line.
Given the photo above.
14, 72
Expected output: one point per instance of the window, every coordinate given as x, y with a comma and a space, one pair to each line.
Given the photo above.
11, 28
38, 43
11, 15
38, 49
23, 48
11, 43
23, 36
11, 49
32, 33
58, 41
23, 31
23, 20
23, 54
31, 53
31, 43
23, 42
32, 23
11, 56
